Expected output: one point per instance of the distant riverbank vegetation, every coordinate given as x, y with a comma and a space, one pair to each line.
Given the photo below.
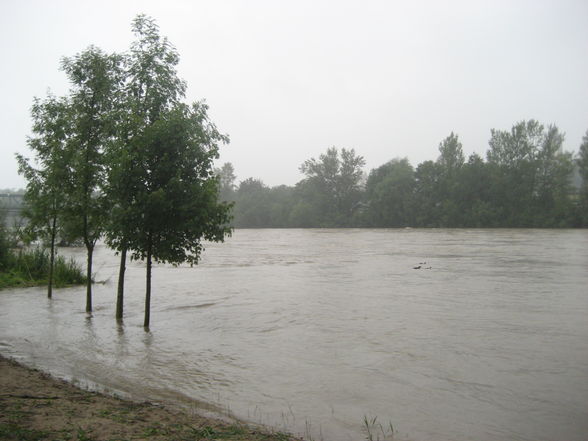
527, 180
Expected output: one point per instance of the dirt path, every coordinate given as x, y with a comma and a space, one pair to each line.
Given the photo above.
34, 406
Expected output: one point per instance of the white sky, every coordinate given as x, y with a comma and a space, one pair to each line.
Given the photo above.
288, 79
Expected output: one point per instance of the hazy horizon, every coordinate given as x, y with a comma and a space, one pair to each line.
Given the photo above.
288, 81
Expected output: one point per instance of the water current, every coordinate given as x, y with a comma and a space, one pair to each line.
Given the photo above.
311, 331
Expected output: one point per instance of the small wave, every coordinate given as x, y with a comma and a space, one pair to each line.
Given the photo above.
184, 307
270, 329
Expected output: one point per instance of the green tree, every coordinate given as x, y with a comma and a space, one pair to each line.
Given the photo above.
450, 163
531, 173
451, 154
280, 205
259, 206
252, 209
151, 87
582, 164
226, 176
474, 195
390, 194
312, 205
93, 76
427, 195
177, 203
553, 205
45, 199
335, 184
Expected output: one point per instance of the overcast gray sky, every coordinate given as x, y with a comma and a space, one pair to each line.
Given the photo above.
288, 79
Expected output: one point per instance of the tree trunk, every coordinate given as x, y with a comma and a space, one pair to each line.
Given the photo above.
121, 284
90, 249
51, 259
148, 288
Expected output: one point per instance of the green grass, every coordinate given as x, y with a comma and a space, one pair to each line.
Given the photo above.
373, 429
11, 431
30, 267
16, 427
82, 435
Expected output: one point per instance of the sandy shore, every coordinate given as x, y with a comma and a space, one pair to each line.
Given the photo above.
35, 406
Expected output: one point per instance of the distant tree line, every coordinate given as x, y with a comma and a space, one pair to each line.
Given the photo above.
526, 180
122, 158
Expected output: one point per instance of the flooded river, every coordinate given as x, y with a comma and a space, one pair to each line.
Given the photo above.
310, 331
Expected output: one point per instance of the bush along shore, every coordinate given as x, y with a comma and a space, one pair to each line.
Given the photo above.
34, 406
30, 267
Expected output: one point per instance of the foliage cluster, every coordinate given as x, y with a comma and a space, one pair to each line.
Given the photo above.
121, 157
526, 180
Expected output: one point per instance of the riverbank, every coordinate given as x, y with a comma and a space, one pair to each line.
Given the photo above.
35, 406
30, 267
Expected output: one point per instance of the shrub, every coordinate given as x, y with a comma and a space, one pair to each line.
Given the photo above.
68, 272
30, 267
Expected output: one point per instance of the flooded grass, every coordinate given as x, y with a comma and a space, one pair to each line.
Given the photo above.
30, 267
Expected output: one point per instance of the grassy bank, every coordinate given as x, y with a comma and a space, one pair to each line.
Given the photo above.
35, 407
30, 267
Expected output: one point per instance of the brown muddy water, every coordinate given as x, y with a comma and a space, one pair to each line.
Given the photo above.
310, 331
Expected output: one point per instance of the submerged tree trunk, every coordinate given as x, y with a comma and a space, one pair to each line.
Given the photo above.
51, 259
90, 249
120, 293
148, 289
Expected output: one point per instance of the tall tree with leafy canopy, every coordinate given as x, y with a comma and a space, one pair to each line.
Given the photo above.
553, 187
226, 176
390, 194
582, 163
450, 163
531, 171
176, 203
252, 209
513, 156
474, 194
94, 77
451, 153
45, 199
151, 88
336, 181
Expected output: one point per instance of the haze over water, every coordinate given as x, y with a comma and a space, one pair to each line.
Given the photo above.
311, 330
